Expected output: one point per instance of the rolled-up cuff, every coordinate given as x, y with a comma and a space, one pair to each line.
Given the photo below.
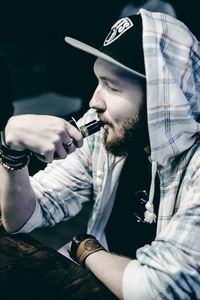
135, 284
36, 220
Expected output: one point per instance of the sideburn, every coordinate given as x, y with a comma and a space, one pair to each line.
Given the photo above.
133, 138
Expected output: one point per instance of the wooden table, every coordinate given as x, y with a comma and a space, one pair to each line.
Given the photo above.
32, 271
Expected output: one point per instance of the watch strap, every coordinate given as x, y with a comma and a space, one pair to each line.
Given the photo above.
82, 245
86, 248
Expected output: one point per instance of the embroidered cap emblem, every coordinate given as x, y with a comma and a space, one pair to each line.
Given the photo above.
117, 30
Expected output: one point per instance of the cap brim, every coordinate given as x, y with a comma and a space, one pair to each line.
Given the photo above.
82, 46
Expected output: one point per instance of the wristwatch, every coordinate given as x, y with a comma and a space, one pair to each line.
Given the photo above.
82, 245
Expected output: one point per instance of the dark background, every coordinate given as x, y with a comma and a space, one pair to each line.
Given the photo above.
32, 41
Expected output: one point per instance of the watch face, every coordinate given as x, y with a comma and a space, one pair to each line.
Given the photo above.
91, 244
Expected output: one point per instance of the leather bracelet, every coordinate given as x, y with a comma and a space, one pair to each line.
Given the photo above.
86, 248
12, 166
10, 152
82, 246
12, 159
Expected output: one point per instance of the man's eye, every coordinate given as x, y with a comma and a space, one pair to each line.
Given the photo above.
113, 89
109, 87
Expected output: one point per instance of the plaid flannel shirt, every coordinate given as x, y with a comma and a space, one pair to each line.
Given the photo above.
169, 268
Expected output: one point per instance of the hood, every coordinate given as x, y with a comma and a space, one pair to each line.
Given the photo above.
173, 85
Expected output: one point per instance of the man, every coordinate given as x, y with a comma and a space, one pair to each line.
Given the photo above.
168, 143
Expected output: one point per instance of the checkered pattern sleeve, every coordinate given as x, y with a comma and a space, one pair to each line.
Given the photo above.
64, 186
169, 267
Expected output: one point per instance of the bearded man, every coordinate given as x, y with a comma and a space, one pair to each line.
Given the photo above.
140, 170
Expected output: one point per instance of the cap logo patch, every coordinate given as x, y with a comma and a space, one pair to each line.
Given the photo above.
117, 30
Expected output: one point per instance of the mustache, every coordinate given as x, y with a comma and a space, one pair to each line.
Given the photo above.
104, 120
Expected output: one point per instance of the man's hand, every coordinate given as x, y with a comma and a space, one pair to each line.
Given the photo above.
48, 137
107, 267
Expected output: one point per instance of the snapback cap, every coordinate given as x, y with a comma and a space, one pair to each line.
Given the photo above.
122, 46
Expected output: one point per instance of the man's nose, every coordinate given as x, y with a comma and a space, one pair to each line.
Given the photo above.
98, 102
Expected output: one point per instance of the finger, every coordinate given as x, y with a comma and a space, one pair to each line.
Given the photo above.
60, 152
62, 149
69, 146
45, 157
75, 134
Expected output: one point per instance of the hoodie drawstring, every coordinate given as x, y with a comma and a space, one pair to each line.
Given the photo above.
149, 215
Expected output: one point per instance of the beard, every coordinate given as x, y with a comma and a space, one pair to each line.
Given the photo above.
132, 137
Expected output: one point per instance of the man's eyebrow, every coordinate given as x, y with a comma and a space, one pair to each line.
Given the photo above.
113, 81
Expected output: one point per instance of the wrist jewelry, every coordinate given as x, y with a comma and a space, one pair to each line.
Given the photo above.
82, 246
12, 159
